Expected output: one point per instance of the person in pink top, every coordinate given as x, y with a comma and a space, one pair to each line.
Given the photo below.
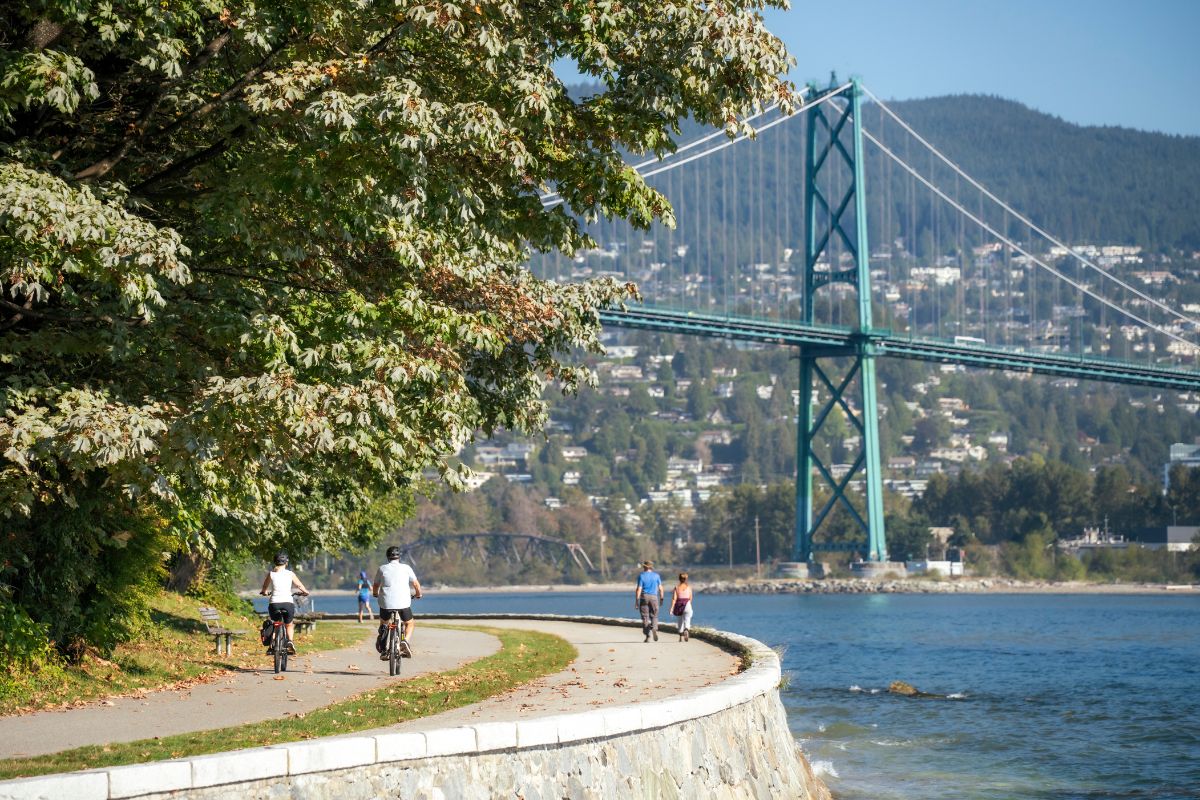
681, 605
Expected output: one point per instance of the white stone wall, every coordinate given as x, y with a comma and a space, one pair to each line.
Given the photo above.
730, 740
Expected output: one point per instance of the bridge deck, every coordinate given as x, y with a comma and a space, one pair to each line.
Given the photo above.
886, 343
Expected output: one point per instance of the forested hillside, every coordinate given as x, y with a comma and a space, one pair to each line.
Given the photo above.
1096, 184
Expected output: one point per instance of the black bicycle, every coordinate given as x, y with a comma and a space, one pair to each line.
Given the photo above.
279, 640
395, 642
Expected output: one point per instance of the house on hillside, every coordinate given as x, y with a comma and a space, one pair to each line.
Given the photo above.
573, 453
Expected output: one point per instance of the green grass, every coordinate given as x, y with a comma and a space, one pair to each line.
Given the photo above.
523, 656
173, 651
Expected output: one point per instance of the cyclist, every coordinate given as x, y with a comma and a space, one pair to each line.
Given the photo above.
395, 585
280, 583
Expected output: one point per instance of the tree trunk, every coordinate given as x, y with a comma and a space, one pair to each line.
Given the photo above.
187, 570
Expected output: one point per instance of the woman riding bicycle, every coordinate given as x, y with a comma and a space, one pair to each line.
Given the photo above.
280, 583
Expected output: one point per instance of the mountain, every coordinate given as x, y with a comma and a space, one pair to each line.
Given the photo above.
1082, 183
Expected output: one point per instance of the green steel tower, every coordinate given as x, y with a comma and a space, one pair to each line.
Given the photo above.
837, 214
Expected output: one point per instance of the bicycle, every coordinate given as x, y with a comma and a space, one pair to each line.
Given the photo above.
395, 646
279, 640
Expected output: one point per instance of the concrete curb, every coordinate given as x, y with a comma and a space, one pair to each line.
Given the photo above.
762, 675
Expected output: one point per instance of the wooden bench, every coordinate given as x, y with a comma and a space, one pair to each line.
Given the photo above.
306, 616
212, 621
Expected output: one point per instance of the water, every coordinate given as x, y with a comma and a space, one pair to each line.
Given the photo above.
1052, 696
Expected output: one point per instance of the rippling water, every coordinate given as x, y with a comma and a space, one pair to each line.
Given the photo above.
1051, 696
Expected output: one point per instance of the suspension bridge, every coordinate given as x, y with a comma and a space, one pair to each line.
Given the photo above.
959, 277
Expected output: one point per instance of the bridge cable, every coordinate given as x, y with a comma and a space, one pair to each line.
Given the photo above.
554, 198
1023, 218
1081, 287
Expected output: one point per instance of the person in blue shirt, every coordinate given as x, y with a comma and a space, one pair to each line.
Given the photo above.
647, 598
364, 595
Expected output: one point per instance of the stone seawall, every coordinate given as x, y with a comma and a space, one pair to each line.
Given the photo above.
729, 740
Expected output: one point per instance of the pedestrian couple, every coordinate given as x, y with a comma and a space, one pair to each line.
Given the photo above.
648, 596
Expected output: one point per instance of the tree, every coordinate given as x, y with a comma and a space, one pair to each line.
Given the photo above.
263, 263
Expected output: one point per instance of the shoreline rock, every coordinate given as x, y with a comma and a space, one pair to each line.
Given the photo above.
922, 586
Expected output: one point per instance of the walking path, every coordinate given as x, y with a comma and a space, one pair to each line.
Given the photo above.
614, 666
312, 681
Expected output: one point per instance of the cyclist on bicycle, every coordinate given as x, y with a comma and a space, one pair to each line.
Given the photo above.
395, 585
280, 583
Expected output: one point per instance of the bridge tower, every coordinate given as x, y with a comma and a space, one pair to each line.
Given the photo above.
839, 214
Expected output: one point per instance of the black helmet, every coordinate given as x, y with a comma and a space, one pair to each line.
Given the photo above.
393, 553
281, 558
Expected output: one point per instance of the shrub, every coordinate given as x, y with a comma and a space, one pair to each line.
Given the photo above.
87, 574
25, 649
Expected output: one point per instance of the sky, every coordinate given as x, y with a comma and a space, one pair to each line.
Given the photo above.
1132, 63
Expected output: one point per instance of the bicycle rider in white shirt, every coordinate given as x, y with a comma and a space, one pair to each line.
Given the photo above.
279, 584
396, 586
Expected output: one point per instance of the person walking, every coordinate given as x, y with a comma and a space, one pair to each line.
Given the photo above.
279, 585
681, 605
647, 598
396, 586
364, 595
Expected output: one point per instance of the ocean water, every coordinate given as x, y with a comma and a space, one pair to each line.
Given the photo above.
1047, 696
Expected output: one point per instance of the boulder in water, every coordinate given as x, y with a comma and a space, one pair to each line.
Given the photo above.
908, 690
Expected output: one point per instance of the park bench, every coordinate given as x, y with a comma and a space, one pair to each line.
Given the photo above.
212, 621
306, 616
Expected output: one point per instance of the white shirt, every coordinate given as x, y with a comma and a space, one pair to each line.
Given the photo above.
281, 585
395, 581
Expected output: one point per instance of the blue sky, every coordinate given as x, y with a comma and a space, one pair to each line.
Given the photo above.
1133, 63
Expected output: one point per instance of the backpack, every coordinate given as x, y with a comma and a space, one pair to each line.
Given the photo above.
267, 630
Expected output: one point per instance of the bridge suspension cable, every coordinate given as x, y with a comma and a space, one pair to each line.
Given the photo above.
1022, 218
1017, 247
554, 198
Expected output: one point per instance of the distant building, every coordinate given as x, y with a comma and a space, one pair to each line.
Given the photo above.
1174, 538
1187, 455
477, 479
626, 372
1093, 539
927, 567
717, 437
573, 453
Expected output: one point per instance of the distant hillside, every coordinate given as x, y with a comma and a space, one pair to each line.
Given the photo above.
1083, 183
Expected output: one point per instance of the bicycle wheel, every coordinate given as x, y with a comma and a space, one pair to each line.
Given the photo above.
394, 653
280, 649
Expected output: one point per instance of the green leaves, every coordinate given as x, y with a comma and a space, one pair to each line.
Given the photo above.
260, 264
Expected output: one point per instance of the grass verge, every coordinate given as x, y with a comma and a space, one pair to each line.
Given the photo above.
523, 656
173, 652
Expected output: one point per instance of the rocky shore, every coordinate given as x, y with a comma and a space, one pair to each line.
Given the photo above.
830, 586
919, 586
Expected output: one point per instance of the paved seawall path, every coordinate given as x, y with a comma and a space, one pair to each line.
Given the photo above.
614, 667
